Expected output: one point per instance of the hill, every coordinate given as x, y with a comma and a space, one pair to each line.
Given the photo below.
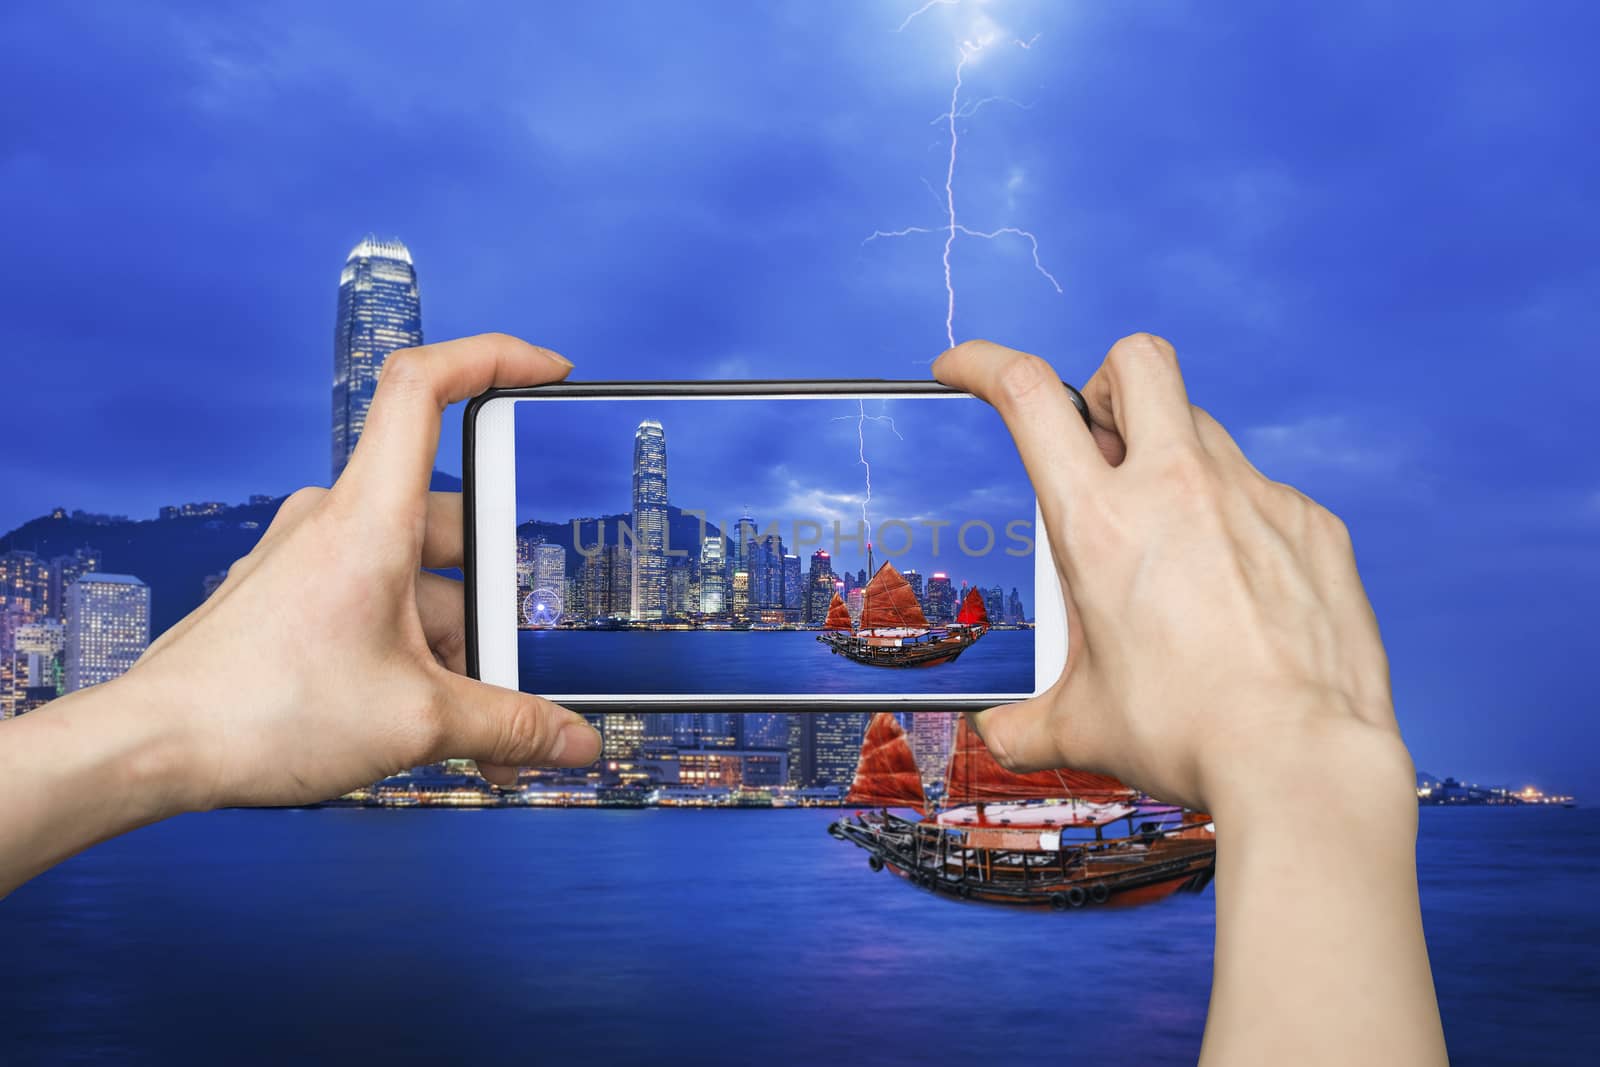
172, 555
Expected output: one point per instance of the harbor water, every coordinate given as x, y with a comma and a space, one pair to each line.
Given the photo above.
753, 661
672, 936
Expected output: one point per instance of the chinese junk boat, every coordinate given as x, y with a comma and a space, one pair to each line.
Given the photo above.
1044, 838
894, 632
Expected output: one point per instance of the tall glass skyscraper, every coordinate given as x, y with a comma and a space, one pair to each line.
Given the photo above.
649, 521
713, 577
379, 311
108, 627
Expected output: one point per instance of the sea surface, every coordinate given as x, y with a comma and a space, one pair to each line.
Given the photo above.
752, 661
698, 937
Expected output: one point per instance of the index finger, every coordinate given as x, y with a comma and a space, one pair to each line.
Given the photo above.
393, 461
1051, 433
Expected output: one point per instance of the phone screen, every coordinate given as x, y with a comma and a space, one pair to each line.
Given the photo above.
786, 546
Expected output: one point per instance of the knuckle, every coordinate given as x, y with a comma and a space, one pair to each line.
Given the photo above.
304, 499
405, 369
296, 506
1335, 527
525, 732
1141, 348
1183, 468
1024, 377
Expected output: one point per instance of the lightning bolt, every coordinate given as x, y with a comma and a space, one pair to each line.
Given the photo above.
953, 226
924, 9
862, 418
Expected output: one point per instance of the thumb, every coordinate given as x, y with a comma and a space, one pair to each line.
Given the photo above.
1051, 731
1018, 735
503, 728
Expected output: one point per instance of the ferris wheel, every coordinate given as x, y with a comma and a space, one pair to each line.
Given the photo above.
542, 607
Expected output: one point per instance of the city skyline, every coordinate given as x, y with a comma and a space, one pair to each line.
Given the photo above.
1363, 307
795, 464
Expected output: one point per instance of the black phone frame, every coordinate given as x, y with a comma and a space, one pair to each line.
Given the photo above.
640, 388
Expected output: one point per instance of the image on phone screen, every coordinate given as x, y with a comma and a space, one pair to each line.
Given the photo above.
787, 546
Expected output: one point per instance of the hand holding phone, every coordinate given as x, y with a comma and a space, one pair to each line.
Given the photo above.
755, 546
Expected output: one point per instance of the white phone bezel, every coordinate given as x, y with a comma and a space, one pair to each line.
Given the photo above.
493, 531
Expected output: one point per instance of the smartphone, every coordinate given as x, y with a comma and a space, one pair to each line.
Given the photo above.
755, 546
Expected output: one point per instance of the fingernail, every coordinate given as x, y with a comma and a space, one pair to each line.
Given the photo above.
557, 357
574, 737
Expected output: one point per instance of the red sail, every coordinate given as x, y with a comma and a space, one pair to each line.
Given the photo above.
974, 776
838, 615
888, 603
887, 775
973, 613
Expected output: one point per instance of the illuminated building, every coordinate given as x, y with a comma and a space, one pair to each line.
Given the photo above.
837, 745
801, 746
25, 582
1014, 612
713, 577
108, 627
649, 592
678, 588
380, 311
658, 730
914, 580
606, 577
766, 729
621, 735
855, 600
994, 602
30, 660
941, 599
819, 588
793, 586
64, 570
744, 532
729, 768
39, 646
741, 595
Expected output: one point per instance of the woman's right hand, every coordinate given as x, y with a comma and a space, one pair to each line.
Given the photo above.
1219, 633
1224, 656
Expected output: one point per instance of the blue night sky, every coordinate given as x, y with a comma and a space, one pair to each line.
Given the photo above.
1369, 228
933, 461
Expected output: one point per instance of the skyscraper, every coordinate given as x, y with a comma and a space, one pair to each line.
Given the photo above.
837, 748
819, 588
769, 730
744, 532
25, 582
793, 598
379, 311
1014, 608
649, 521
108, 627
64, 570
941, 602
549, 570
913, 578
606, 580
713, 577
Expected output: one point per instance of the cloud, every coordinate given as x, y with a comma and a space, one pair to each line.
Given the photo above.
1318, 443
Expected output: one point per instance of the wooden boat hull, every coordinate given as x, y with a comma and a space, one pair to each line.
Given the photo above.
1117, 873
930, 653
